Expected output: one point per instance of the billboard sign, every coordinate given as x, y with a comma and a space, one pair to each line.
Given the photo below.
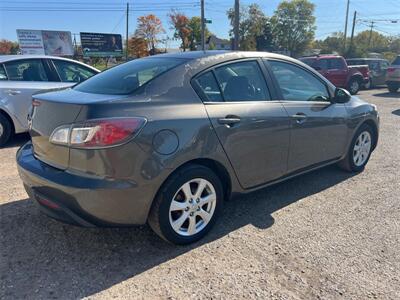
30, 41
58, 43
101, 44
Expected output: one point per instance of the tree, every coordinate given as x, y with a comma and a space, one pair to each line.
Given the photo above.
252, 26
180, 23
293, 25
149, 28
137, 47
331, 44
195, 35
8, 47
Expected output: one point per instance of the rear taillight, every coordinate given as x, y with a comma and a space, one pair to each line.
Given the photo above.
98, 133
390, 70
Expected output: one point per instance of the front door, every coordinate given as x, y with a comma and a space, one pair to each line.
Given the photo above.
253, 130
318, 127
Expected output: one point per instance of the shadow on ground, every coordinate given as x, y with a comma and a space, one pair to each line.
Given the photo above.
17, 140
41, 258
388, 95
396, 112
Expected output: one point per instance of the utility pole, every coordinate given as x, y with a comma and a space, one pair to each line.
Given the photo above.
370, 34
203, 27
345, 26
352, 31
127, 28
236, 27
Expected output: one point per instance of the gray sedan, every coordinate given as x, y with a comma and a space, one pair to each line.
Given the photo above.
167, 139
23, 75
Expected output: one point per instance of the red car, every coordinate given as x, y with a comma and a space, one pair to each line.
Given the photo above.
336, 70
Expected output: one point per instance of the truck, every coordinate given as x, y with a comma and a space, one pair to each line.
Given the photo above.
335, 69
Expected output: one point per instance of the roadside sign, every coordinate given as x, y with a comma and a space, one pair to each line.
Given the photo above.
101, 44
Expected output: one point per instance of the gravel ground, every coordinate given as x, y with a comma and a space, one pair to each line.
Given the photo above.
324, 235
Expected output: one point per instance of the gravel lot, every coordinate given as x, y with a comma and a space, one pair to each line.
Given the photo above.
324, 235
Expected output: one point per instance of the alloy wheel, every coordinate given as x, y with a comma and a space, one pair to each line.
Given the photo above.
362, 148
354, 87
1, 130
192, 207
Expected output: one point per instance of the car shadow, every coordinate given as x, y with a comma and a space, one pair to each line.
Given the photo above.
387, 95
17, 140
396, 112
42, 258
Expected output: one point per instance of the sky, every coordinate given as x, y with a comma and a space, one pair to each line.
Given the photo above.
109, 16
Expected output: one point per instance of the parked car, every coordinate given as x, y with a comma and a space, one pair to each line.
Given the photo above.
393, 75
166, 139
23, 75
336, 70
377, 67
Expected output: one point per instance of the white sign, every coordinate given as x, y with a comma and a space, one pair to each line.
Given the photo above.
30, 41
47, 42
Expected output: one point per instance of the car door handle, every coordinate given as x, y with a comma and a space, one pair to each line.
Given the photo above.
229, 120
299, 117
13, 92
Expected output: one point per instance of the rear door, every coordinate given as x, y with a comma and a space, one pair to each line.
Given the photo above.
253, 129
318, 127
25, 77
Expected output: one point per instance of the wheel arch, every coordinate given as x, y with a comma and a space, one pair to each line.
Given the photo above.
374, 128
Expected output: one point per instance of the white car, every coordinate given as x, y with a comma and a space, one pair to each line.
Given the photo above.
23, 75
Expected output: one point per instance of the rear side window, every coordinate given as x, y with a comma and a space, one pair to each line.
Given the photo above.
3, 75
297, 84
26, 70
242, 81
209, 87
336, 64
128, 77
72, 72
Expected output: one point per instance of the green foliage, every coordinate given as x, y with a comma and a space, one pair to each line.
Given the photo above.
195, 27
253, 27
293, 25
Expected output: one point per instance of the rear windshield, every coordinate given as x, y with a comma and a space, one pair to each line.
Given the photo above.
128, 77
396, 61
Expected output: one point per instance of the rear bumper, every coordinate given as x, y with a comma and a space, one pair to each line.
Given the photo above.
81, 200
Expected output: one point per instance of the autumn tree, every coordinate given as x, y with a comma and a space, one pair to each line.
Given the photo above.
294, 25
180, 23
8, 47
149, 28
137, 47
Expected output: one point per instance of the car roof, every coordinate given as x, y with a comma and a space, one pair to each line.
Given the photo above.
223, 55
6, 58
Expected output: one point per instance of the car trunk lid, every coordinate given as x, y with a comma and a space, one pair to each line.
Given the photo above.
52, 110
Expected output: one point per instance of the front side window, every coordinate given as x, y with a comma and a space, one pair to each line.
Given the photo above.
72, 72
242, 81
26, 70
3, 75
336, 64
128, 77
209, 87
297, 84
323, 64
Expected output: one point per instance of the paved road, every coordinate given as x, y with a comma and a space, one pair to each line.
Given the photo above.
325, 235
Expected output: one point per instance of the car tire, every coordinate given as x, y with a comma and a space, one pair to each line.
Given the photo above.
359, 151
5, 130
393, 88
354, 86
177, 203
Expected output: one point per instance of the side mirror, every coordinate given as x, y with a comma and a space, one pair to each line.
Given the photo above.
341, 96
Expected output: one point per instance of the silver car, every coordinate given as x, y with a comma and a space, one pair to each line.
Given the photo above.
23, 75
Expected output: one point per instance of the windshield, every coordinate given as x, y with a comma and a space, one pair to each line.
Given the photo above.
396, 61
128, 77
